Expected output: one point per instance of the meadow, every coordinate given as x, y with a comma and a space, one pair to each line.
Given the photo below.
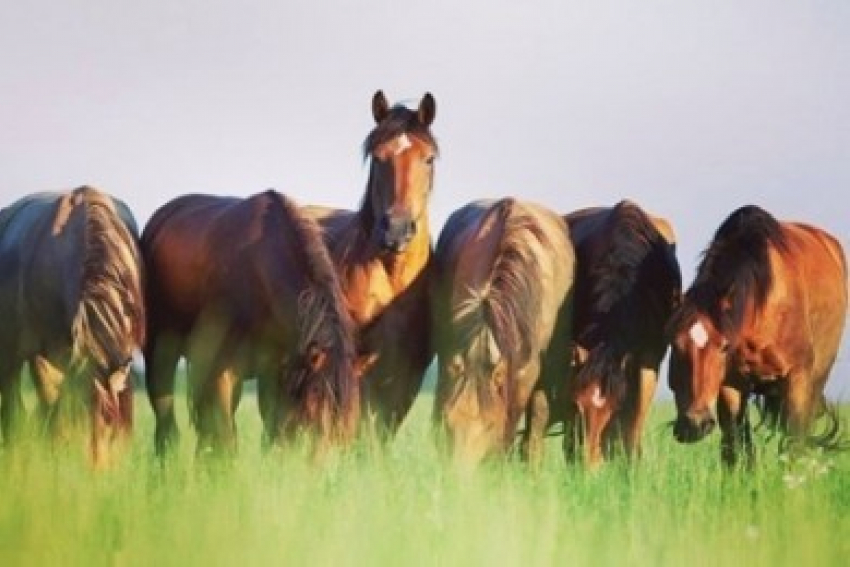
404, 506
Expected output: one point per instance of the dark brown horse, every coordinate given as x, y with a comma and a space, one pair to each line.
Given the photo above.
628, 283
245, 288
72, 307
764, 315
504, 274
383, 255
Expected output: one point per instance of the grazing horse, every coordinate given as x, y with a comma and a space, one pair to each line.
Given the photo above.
245, 288
502, 292
72, 305
628, 283
764, 315
383, 256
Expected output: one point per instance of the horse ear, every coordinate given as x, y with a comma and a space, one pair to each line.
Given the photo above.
380, 106
427, 110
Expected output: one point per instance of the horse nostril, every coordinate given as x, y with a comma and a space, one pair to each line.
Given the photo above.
412, 228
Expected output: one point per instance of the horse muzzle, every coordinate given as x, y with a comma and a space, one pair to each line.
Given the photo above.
693, 426
396, 232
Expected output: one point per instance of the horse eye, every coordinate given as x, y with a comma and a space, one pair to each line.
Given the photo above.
430, 160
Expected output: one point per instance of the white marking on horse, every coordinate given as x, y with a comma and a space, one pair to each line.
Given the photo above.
597, 399
402, 144
699, 335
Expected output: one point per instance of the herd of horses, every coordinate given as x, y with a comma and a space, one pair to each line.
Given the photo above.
536, 319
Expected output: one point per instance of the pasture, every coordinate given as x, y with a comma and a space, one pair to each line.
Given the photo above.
405, 506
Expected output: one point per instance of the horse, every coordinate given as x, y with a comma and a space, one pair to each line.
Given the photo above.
764, 316
72, 301
628, 283
502, 295
245, 288
383, 253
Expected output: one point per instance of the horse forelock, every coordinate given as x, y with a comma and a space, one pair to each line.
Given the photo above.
401, 120
109, 323
735, 268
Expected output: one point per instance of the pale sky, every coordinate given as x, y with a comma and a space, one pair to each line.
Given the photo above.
691, 108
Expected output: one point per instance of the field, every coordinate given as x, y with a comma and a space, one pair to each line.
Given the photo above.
403, 506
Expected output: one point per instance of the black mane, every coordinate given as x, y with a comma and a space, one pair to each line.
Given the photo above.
736, 266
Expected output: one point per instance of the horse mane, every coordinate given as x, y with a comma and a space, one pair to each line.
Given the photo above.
623, 297
400, 120
507, 307
322, 318
110, 319
736, 267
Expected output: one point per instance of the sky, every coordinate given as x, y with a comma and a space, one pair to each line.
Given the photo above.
692, 108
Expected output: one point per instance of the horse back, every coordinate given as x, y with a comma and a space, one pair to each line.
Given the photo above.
224, 254
56, 251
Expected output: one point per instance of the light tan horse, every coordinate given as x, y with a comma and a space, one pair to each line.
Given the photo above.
383, 255
504, 276
764, 315
628, 283
72, 307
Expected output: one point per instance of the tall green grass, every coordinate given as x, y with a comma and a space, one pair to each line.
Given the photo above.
404, 506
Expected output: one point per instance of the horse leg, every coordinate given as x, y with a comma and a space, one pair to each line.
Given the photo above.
214, 391
735, 432
537, 417
638, 409
573, 432
11, 401
799, 410
48, 383
161, 355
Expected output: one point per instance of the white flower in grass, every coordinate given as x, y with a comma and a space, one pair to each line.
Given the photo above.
752, 531
793, 481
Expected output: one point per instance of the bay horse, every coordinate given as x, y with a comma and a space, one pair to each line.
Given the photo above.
628, 282
72, 307
502, 291
764, 316
243, 288
383, 255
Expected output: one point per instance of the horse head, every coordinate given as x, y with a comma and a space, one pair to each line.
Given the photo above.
402, 152
698, 362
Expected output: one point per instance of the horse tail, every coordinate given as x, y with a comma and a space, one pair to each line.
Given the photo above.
831, 437
109, 322
512, 306
323, 320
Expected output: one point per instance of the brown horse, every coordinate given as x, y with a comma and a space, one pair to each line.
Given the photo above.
764, 315
245, 288
383, 255
504, 275
628, 283
72, 306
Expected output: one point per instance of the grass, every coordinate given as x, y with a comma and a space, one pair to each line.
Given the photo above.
404, 506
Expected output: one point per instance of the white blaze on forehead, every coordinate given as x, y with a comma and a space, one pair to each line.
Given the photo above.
598, 400
402, 143
699, 335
